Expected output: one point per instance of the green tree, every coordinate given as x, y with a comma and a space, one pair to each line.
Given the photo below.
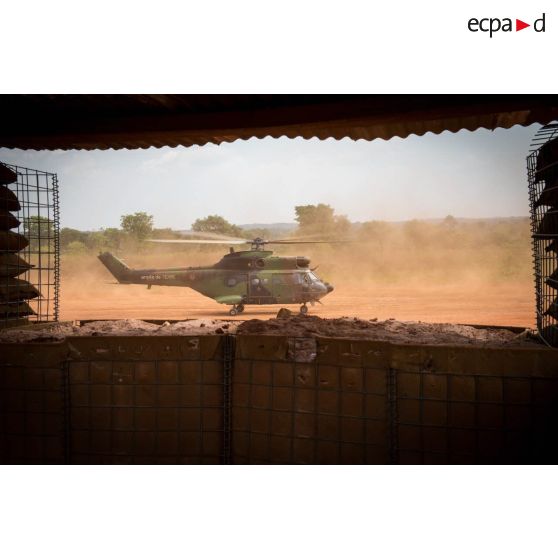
217, 225
342, 225
95, 240
310, 217
321, 219
112, 237
139, 225
68, 235
39, 231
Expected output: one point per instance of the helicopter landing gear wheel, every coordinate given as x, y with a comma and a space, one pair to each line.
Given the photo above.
236, 309
304, 309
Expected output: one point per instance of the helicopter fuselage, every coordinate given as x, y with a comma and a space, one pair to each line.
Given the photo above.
239, 278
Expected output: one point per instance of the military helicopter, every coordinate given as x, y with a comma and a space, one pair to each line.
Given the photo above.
240, 278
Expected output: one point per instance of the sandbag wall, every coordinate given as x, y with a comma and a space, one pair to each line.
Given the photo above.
542, 167
277, 400
29, 253
14, 293
368, 402
113, 400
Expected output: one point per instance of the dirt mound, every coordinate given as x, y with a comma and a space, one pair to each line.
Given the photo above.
139, 327
57, 332
291, 326
388, 330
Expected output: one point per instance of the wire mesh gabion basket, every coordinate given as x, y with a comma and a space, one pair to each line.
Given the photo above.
542, 173
29, 246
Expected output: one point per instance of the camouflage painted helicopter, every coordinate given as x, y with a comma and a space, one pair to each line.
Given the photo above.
251, 276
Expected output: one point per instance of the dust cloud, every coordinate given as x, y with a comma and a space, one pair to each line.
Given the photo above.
466, 272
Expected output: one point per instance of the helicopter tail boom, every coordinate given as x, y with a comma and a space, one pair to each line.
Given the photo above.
117, 267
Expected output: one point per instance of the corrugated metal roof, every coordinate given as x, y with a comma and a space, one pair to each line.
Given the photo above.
142, 121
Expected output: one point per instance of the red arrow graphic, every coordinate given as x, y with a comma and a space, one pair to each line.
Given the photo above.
519, 25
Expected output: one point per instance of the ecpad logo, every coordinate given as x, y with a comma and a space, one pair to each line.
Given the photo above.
492, 25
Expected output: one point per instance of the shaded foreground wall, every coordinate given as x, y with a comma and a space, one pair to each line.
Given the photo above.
267, 399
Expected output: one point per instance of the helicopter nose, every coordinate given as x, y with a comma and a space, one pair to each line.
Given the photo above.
329, 287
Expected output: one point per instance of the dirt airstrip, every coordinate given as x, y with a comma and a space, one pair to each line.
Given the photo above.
402, 313
506, 304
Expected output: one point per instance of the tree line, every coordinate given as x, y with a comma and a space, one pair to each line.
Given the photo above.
319, 221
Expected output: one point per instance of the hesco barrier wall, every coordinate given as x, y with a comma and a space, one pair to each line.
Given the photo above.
268, 399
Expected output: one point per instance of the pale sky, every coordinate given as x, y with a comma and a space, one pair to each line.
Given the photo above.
468, 174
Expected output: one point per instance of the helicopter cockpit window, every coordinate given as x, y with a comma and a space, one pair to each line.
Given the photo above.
287, 278
312, 277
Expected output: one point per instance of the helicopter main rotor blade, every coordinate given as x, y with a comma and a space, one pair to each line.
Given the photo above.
309, 241
256, 243
187, 241
209, 235
314, 236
